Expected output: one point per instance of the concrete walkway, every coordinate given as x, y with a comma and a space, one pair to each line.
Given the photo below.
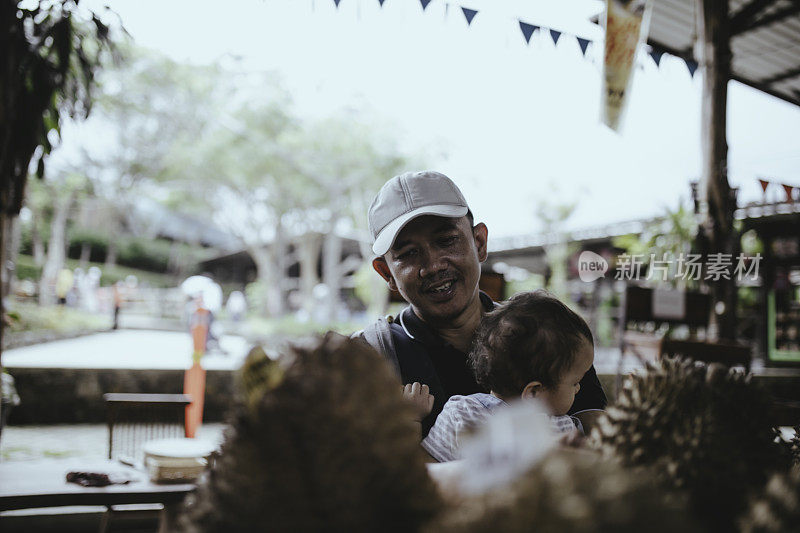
129, 349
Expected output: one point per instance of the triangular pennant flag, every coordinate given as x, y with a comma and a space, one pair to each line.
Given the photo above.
469, 14
424, 4
381, 2
691, 65
337, 3
656, 54
527, 30
584, 44
764, 185
788, 189
555, 35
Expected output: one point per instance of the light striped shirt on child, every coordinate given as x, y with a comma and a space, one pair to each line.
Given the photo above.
461, 414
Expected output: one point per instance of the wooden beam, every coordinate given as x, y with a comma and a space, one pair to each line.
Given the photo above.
713, 26
747, 14
772, 18
782, 76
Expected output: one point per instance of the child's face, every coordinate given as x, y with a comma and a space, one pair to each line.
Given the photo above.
559, 397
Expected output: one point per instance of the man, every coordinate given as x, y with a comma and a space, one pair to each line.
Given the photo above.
430, 250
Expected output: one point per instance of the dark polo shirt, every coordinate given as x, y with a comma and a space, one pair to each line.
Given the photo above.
425, 357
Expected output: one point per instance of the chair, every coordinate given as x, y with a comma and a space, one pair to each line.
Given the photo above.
134, 419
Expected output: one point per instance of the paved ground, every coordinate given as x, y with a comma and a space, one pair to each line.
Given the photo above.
132, 349
147, 349
21, 443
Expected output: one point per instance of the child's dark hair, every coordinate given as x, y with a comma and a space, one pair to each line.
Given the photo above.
531, 337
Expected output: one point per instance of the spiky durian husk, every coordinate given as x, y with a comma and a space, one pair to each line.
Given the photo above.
777, 510
703, 429
572, 491
322, 442
792, 447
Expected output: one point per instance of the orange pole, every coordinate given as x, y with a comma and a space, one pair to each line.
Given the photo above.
194, 381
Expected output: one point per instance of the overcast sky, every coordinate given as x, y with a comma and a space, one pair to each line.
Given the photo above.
518, 122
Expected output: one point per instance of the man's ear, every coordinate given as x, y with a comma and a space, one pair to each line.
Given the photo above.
531, 390
481, 235
382, 268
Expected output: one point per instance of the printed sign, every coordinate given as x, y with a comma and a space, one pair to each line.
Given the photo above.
669, 304
626, 26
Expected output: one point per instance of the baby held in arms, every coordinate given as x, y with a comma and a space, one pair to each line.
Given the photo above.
533, 346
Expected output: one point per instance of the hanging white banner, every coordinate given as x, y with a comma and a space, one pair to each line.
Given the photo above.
626, 23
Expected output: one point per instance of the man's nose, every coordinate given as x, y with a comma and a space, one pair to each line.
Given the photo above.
433, 261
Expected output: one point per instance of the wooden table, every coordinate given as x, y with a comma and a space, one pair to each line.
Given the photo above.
42, 483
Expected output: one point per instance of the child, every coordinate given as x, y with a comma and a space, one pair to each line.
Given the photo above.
533, 346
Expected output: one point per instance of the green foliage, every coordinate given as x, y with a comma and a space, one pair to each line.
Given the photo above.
49, 61
606, 330
33, 317
144, 254
533, 282
256, 294
97, 240
751, 244
26, 269
672, 235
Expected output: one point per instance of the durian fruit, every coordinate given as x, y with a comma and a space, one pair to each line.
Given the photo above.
777, 509
792, 447
258, 375
320, 441
572, 491
703, 429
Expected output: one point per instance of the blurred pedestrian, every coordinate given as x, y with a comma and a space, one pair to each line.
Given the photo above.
116, 292
236, 306
64, 282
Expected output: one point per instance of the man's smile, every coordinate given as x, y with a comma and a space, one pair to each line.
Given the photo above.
441, 289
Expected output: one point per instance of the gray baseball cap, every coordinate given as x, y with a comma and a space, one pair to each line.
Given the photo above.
408, 196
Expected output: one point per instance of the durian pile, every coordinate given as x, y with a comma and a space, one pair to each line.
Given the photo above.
777, 508
320, 440
572, 491
703, 430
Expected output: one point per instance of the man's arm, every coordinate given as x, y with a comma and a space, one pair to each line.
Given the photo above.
590, 400
588, 419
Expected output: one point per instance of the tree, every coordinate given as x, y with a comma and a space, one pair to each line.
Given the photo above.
147, 106
552, 217
348, 159
47, 72
62, 192
241, 171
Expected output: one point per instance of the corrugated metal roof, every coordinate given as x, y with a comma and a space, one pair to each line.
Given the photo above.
765, 41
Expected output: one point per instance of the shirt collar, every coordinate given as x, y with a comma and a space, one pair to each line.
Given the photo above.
418, 330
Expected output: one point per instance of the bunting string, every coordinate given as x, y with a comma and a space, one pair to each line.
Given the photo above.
788, 190
528, 30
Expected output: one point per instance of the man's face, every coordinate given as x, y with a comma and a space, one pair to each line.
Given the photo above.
435, 265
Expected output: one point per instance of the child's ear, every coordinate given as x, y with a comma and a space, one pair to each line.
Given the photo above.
531, 390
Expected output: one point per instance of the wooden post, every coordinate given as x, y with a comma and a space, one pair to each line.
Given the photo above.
194, 380
714, 53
